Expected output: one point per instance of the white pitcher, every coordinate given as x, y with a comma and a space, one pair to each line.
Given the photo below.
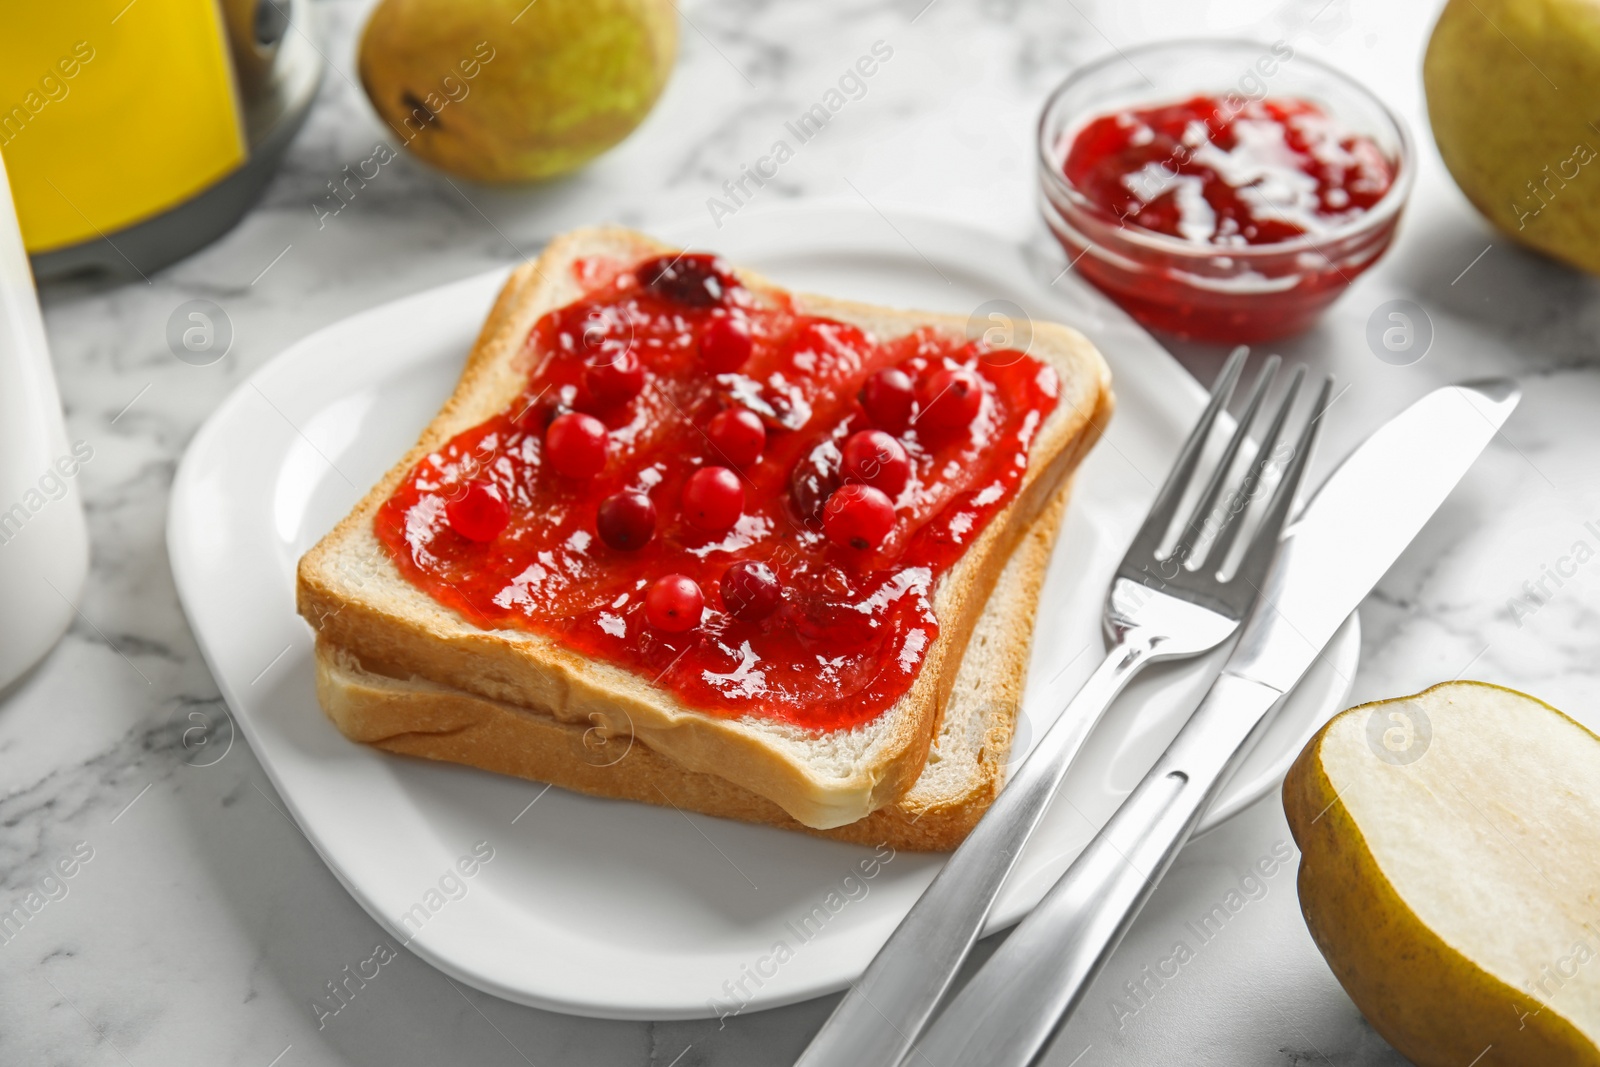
44, 545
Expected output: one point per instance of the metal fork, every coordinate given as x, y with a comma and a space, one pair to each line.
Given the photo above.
1159, 606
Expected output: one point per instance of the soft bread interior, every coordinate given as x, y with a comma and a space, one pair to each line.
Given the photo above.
357, 600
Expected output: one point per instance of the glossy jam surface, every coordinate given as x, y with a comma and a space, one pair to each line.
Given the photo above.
852, 627
1271, 171
1225, 177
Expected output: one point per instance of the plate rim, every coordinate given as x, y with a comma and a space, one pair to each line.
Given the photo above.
214, 428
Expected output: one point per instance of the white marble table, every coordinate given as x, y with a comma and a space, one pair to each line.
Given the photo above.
203, 925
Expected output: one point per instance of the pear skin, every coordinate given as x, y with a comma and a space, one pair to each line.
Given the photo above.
1450, 873
513, 90
1513, 91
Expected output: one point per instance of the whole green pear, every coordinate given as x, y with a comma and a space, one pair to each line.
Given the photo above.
1514, 95
513, 90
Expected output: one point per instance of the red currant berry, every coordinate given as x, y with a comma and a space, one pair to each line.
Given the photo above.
615, 379
750, 591
887, 396
873, 457
695, 280
713, 499
814, 479
737, 435
575, 445
725, 344
858, 516
950, 400
626, 520
536, 414
479, 513
673, 604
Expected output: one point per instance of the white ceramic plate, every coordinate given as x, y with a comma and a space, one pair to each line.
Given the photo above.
617, 909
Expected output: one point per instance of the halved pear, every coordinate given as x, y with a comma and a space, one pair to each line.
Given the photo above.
1450, 873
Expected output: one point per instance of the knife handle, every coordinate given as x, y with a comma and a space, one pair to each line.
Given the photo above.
884, 1011
1006, 1015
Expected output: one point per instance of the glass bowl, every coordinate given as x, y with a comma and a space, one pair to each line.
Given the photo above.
1202, 291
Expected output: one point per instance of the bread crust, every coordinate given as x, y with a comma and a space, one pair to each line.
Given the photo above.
419, 718
357, 600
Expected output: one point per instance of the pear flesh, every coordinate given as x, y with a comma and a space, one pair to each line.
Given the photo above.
1450, 873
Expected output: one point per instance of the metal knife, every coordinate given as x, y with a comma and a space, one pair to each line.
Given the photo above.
1330, 557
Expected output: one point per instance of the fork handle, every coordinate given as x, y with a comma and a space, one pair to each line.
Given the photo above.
885, 1010
1006, 1015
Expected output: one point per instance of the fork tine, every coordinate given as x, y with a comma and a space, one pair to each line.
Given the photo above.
1154, 530
1265, 545
1233, 521
1208, 498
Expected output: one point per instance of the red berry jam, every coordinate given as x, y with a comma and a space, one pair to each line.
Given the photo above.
876, 459
478, 512
888, 397
626, 521
614, 380
729, 589
858, 517
1230, 179
950, 400
713, 499
575, 445
674, 604
738, 435
750, 590
725, 344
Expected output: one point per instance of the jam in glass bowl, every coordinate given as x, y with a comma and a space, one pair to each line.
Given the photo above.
1221, 191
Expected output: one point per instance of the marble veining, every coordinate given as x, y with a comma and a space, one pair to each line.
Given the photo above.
198, 926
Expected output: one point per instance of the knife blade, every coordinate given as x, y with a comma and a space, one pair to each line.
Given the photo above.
1363, 517
1366, 513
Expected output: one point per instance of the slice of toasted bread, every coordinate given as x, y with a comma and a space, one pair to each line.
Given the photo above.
965, 770
354, 596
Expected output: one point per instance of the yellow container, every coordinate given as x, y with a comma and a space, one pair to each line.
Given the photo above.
117, 115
